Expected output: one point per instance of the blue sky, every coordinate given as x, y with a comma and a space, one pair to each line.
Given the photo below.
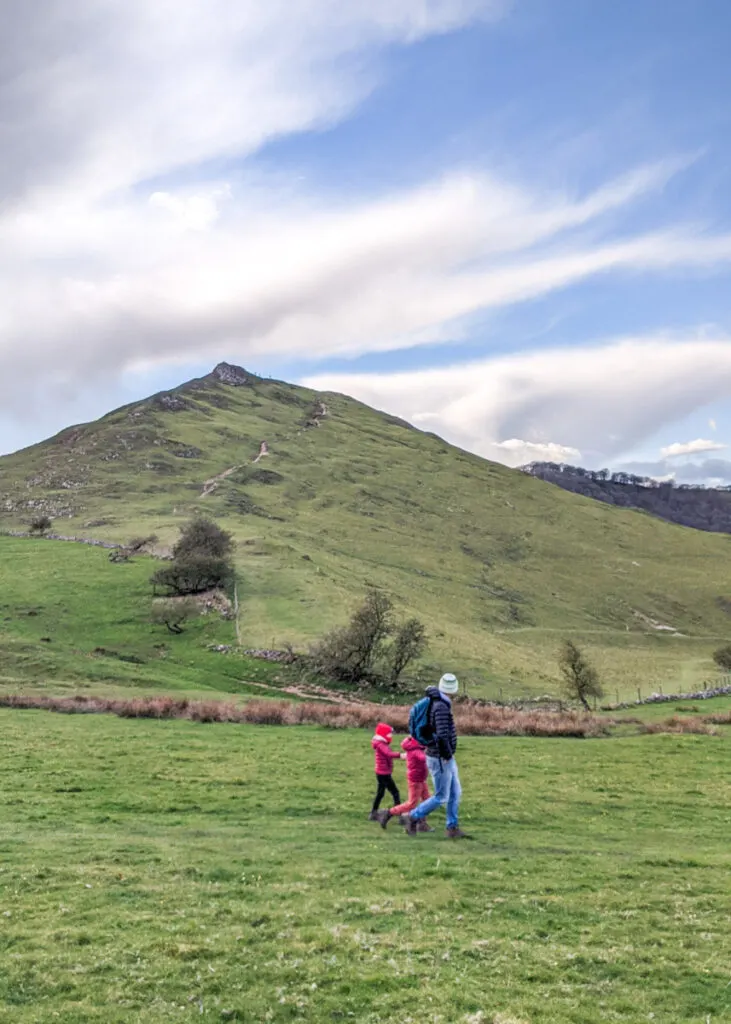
507, 222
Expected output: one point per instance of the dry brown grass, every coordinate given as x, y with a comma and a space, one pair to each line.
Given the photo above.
719, 717
679, 724
471, 720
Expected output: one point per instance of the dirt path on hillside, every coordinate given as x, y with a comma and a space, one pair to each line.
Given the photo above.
209, 486
263, 450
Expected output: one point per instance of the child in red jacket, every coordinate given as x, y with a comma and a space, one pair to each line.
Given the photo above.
385, 757
416, 775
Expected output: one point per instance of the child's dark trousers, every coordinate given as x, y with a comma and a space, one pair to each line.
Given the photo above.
385, 782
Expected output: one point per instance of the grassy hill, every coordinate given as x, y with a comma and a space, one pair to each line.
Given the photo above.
499, 565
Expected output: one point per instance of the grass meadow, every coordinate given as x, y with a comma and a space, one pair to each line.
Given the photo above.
157, 871
72, 621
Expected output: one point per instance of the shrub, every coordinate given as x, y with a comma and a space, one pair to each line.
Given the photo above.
722, 657
193, 575
202, 537
40, 525
580, 679
174, 613
201, 560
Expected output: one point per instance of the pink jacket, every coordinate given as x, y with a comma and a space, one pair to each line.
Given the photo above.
416, 769
384, 755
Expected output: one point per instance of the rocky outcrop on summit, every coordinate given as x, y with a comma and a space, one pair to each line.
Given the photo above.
236, 376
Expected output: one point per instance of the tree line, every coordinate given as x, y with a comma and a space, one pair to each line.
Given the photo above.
703, 508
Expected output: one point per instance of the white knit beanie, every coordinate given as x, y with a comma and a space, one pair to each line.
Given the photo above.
448, 683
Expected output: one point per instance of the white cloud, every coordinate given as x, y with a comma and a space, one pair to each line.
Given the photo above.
195, 210
690, 448
709, 473
99, 288
107, 264
99, 96
518, 453
712, 424
602, 401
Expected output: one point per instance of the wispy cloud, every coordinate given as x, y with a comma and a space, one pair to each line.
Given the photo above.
98, 97
108, 261
690, 448
97, 100
707, 473
602, 400
521, 452
176, 274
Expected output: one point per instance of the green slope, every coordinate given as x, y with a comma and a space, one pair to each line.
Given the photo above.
498, 564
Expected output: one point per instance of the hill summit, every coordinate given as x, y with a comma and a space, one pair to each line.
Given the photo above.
236, 376
326, 496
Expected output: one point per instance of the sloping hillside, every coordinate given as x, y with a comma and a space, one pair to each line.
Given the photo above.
326, 496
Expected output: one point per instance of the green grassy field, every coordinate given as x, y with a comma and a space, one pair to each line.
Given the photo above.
71, 620
61, 603
167, 871
498, 565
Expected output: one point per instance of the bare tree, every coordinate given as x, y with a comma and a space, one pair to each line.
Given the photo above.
174, 614
407, 646
349, 653
360, 651
580, 679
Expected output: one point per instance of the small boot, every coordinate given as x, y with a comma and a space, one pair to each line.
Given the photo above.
383, 818
457, 833
423, 826
411, 827
373, 816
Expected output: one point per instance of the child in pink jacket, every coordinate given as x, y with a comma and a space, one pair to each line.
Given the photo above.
385, 757
416, 776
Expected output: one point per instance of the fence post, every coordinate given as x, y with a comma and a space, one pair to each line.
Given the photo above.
236, 614
639, 695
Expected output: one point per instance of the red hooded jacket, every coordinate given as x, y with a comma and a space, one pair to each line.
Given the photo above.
416, 769
384, 755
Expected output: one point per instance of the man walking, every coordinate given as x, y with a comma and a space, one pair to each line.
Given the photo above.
441, 761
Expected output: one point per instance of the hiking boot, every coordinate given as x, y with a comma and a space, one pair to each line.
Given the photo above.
383, 818
423, 826
411, 827
373, 816
457, 833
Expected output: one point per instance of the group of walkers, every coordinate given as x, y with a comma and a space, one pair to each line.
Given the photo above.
429, 749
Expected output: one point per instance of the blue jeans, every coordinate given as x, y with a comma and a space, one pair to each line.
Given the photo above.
447, 790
